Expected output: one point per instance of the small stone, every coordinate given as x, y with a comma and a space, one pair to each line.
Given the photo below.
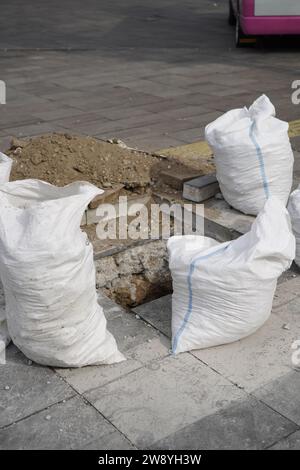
17, 143
48, 382
137, 317
29, 362
48, 417
149, 340
286, 326
7, 387
219, 196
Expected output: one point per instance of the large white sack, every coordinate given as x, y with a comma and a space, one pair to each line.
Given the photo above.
224, 292
253, 156
294, 210
48, 275
5, 169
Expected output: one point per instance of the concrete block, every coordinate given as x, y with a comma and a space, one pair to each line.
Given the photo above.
201, 188
161, 398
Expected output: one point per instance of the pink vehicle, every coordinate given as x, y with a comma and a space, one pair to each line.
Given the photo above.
264, 17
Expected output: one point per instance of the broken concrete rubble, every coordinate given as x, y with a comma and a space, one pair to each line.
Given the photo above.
136, 275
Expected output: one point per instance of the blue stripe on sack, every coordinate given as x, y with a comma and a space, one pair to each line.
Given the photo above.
190, 303
261, 161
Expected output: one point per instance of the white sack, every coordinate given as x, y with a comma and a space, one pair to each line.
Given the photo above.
253, 156
224, 292
294, 210
5, 169
48, 275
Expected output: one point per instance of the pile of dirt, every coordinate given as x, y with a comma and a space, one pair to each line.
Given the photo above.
62, 158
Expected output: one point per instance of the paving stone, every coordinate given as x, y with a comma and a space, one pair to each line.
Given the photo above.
191, 135
156, 89
292, 442
176, 179
184, 112
158, 313
256, 360
54, 114
34, 129
219, 212
282, 395
31, 388
295, 141
139, 343
113, 441
157, 400
201, 188
288, 292
245, 425
289, 313
70, 425
296, 174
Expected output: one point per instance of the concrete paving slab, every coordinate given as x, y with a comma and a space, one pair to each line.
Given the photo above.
282, 395
139, 343
33, 130
157, 400
219, 212
70, 425
288, 292
157, 313
31, 388
245, 425
292, 442
289, 313
257, 359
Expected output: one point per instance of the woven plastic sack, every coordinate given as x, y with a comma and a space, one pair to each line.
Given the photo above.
48, 275
253, 156
224, 292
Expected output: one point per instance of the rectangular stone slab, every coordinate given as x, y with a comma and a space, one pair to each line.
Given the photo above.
201, 188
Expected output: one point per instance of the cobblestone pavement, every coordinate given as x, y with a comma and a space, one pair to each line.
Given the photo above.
152, 74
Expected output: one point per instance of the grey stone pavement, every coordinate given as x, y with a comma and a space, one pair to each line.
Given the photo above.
152, 74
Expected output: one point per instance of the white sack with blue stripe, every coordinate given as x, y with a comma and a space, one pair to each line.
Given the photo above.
223, 292
253, 156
